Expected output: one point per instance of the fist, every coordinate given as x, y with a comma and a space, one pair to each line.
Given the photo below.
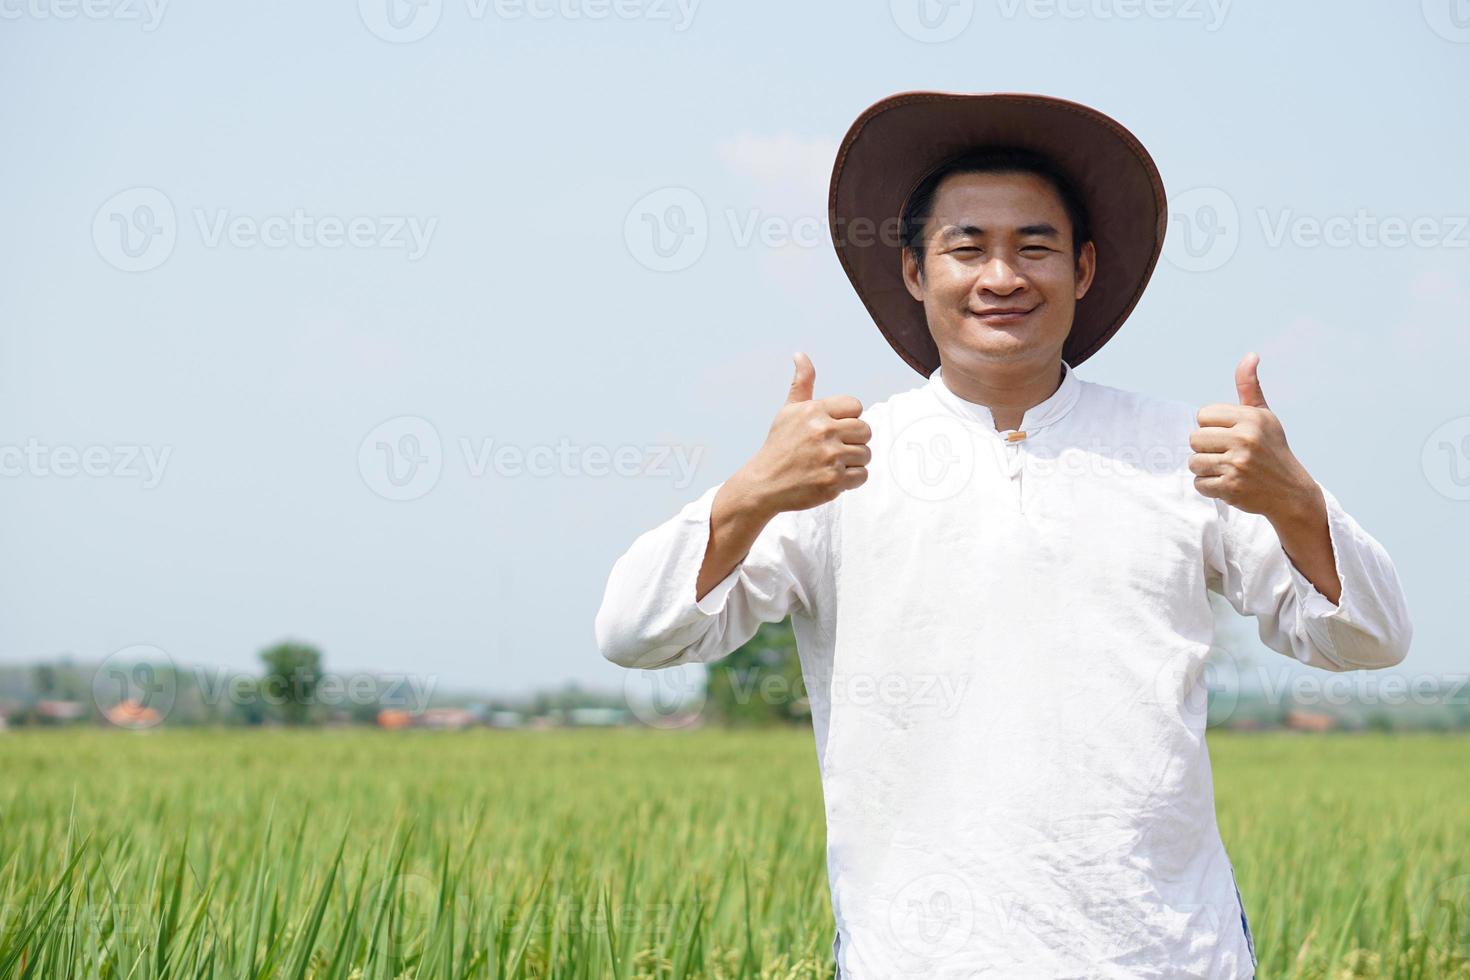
816, 448
1240, 452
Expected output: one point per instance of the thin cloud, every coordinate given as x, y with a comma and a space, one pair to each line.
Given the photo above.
789, 170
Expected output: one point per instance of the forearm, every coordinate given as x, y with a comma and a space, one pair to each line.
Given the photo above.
738, 514
1307, 541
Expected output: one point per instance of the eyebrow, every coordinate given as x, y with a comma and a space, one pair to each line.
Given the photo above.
952, 232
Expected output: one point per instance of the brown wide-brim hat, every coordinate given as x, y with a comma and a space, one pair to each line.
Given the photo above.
900, 140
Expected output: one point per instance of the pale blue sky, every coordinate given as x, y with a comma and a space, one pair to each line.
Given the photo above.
517, 148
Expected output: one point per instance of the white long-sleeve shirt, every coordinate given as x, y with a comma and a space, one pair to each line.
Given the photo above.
1002, 640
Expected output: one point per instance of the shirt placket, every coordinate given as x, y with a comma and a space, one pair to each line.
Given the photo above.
1012, 463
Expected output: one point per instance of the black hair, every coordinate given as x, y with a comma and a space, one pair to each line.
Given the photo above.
993, 159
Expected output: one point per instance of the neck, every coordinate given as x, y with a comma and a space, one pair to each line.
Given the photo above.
1007, 393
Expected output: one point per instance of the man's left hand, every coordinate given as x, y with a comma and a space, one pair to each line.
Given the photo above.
1241, 456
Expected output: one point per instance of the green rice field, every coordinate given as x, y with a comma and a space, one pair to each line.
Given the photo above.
626, 853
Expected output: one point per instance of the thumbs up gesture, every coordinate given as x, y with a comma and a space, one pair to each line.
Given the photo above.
1241, 456
816, 448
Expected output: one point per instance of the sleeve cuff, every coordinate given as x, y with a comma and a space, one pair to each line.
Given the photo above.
712, 603
698, 513
1313, 604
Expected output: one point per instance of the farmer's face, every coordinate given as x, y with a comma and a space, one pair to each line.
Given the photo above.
999, 242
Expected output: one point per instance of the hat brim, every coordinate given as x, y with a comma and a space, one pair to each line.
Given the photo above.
898, 141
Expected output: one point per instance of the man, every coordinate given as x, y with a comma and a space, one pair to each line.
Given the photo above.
998, 579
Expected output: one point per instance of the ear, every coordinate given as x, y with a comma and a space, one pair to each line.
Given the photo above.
911, 277
1086, 269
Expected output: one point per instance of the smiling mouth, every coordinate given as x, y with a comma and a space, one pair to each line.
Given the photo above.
1002, 316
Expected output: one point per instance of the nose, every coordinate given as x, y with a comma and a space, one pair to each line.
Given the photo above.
1000, 277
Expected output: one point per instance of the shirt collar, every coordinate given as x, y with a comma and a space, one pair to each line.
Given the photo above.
1058, 404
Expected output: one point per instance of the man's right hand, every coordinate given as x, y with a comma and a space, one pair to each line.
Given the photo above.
816, 448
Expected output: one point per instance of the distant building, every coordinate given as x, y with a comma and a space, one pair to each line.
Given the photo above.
595, 717
61, 710
131, 714
455, 718
394, 718
1309, 721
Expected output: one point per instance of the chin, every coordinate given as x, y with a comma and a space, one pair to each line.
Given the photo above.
991, 342
992, 345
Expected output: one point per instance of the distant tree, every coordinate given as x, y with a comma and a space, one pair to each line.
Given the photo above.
58, 682
364, 712
292, 672
248, 708
1380, 721
45, 680
761, 682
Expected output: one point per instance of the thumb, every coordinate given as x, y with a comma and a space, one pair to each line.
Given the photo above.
1247, 385
804, 381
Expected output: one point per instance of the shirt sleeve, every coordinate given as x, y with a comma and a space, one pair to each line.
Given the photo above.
1368, 627
649, 617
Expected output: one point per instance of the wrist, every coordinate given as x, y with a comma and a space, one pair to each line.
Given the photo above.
1306, 507
747, 499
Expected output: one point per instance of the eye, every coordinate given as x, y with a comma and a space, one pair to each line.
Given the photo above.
966, 248
1035, 248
